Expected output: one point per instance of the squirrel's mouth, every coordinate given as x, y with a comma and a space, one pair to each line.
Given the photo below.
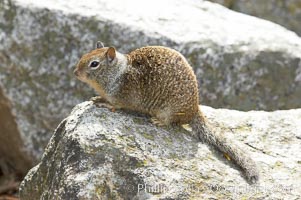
79, 75
76, 72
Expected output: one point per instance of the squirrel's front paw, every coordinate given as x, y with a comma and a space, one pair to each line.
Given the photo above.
98, 99
157, 122
102, 103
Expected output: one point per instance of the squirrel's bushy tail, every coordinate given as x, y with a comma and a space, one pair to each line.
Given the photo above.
242, 159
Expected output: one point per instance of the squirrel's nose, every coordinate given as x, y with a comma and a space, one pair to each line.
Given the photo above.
76, 72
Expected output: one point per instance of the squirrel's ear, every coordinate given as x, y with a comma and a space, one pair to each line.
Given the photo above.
99, 44
111, 54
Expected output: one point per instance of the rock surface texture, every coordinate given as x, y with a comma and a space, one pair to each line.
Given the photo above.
241, 62
284, 12
98, 154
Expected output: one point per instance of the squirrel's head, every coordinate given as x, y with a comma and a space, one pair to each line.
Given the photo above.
96, 63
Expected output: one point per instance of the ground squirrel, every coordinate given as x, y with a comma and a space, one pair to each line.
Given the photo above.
157, 81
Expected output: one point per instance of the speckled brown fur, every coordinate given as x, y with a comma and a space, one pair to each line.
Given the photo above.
157, 81
158, 75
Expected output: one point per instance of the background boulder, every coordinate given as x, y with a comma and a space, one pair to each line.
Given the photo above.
284, 12
15, 161
241, 62
98, 154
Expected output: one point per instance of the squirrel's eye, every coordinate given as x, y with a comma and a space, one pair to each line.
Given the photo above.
94, 64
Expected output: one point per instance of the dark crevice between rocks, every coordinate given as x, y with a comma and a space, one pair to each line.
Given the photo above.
14, 162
